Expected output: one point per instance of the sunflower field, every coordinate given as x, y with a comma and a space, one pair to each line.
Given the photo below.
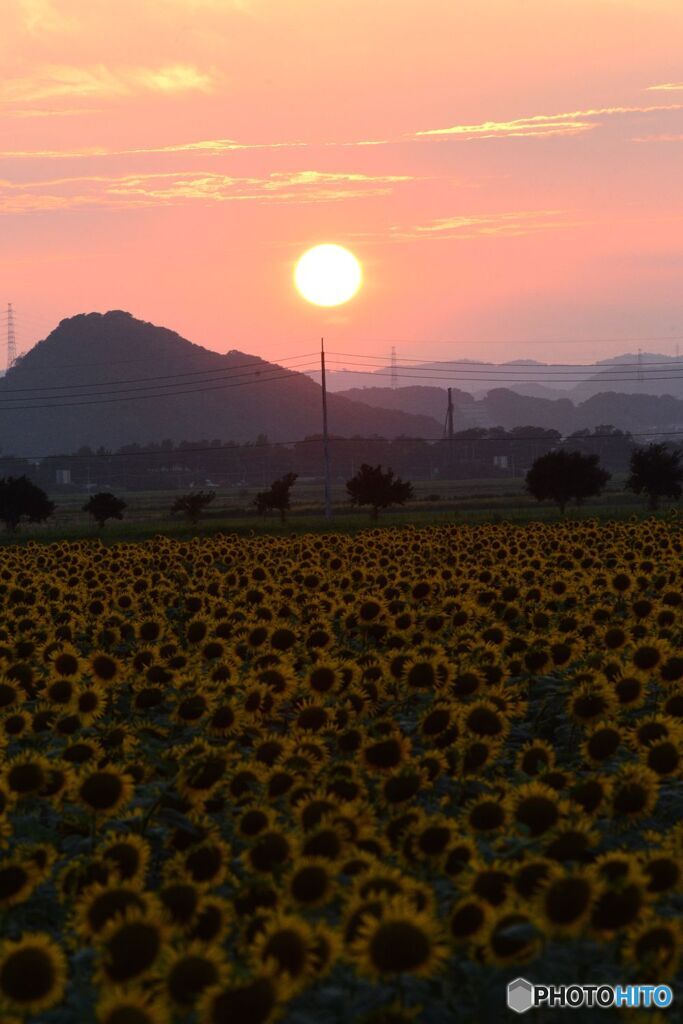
339, 779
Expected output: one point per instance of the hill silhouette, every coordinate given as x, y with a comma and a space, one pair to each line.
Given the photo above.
110, 379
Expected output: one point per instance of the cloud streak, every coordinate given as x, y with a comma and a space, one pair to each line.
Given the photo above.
172, 188
666, 87
464, 227
99, 81
542, 125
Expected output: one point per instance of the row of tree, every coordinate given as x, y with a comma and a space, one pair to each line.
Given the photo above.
478, 452
560, 476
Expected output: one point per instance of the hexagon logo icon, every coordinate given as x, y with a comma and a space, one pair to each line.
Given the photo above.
520, 995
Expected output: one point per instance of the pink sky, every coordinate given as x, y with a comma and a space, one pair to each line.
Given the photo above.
175, 157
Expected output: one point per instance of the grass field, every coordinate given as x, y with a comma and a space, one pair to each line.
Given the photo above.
470, 501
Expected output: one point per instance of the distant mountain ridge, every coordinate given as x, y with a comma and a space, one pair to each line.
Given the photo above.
503, 407
110, 379
644, 373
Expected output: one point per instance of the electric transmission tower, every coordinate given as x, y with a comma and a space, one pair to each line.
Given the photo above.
11, 337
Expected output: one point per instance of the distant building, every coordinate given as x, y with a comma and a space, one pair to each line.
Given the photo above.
63, 476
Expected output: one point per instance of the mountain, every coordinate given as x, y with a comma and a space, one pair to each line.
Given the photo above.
507, 408
110, 379
645, 373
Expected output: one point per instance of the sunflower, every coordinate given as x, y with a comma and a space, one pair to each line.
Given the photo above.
535, 808
128, 853
652, 948
484, 719
103, 667
285, 945
33, 973
121, 1006
469, 919
18, 878
66, 662
103, 791
590, 702
535, 757
603, 740
26, 775
635, 792
663, 871
617, 906
212, 920
564, 903
311, 882
402, 940
271, 850
486, 814
100, 904
185, 974
591, 794
511, 938
242, 1000
529, 876
664, 756
129, 947
386, 754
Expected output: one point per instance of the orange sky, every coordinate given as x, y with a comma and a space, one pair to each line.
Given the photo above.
508, 171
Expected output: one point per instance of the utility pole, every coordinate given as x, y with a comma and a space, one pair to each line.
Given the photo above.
326, 447
449, 425
11, 338
394, 368
639, 373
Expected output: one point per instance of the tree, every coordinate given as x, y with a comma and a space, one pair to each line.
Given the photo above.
562, 475
193, 504
104, 506
372, 486
277, 497
22, 499
656, 471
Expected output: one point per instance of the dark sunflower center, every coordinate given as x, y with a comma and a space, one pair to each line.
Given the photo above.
190, 976
27, 975
399, 946
132, 950
101, 791
251, 1003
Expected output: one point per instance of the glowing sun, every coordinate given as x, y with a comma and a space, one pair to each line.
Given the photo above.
328, 275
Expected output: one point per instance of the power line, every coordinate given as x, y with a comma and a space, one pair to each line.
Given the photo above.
469, 364
125, 398
169, 376
500, 380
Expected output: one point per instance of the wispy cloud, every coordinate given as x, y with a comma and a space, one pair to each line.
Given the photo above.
542, 125
658, 138
461, 227
666, 87
42, 17
172, 188
211, 147
61, 81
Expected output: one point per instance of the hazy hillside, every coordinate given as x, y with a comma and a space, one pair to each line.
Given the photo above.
109, 379
651, 374
507, 408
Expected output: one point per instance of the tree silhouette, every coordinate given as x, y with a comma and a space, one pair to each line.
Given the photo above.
377, 488
561, 476
193, 504
277, 497
22, 499
103, 506
656, 471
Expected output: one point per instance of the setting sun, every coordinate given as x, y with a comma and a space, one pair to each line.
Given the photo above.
328, 275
